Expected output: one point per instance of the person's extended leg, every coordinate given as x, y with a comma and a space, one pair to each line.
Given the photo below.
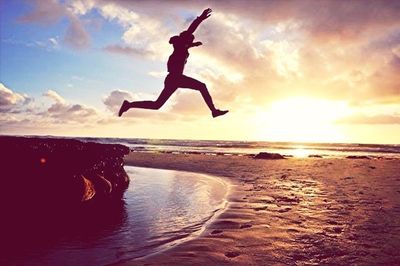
191, 83
164, 96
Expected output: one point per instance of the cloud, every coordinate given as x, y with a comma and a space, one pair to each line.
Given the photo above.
158, 74
52, 11
44, 11
126, 50
269, 47
256, 52
65, 112
141, 32
372, 120
189, 103
76, 35
10, 100
279, 48
54, 96
385, 82
22, 114
49, 44
114, 100
322, 20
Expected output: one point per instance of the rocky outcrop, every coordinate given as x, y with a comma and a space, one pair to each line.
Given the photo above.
315, 156
357, 157
47, 174
268, 156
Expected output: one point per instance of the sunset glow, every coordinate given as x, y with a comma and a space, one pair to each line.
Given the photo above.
301, 153
287, 71
305, 120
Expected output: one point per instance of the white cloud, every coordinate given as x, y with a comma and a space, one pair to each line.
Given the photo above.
80, 7
114, 100
370, 119
65, 112
143, 34
54, 42
54, 96
158, 74
10, 100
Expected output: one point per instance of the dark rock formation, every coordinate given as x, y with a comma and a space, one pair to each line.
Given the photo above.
357, 157
268, 156
41, 175
315, 156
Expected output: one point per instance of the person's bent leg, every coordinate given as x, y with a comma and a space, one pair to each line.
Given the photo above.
191, 83
154, 105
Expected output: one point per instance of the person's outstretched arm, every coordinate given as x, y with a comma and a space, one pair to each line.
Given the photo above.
206, 13
195, 44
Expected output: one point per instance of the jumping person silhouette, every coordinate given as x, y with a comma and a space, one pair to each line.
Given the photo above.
175, 78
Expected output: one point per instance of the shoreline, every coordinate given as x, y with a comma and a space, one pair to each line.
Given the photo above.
209, 220
253, 147
303, 154
311, 210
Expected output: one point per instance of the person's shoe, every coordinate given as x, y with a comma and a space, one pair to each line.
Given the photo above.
217, 113
124, 107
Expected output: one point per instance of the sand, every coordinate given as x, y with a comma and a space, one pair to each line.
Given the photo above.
293, 211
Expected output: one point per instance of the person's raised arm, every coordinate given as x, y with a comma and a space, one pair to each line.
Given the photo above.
206, 13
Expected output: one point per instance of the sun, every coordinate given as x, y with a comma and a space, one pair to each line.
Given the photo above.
303, 119
300, 152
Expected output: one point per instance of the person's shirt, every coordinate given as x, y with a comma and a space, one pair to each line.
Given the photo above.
178, 58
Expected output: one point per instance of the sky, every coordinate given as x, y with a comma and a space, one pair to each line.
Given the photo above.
308, 71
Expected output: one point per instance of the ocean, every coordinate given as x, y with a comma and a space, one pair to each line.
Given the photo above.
224, 147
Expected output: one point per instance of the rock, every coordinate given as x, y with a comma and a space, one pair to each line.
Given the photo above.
314, 156
246, 225
216, 231
231, 254
357, 157
268, 156
47, 175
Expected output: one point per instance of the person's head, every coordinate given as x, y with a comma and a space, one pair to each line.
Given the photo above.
186, 37
174, 39
183, 38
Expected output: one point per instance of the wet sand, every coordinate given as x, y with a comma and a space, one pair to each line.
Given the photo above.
292, 211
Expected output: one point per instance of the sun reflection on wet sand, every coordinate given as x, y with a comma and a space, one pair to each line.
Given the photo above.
300, 152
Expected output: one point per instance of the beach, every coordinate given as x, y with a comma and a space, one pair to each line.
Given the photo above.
302, 211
